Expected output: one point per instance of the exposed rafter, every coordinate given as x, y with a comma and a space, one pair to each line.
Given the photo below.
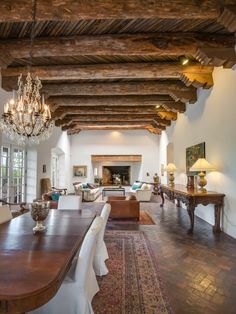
20, 11
175, 89
69, 119
121, 101
127, 71
61, 112
167, 115
226, 57
172, 44
228, 18
115, 124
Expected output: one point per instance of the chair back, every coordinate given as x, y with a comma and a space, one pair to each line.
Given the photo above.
72, 202
87, 251
5, 214
105, 215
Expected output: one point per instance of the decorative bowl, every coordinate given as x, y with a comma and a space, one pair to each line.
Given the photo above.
39, 212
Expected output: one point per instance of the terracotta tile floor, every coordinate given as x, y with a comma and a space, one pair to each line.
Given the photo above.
199, 270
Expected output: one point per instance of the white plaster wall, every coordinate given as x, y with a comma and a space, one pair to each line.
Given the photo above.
211, 120
131, 142
58, 140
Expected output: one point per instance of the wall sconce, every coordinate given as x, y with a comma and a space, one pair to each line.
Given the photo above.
202, 165
95, 172
171, 168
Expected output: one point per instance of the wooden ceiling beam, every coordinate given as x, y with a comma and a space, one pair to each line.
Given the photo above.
167, 115
20, 11
121, 101
114, 71
114, 118
153, 44
61, 112
177, 90
104, 124
156, 70
228, 18
76, 130
225, 57
5, 59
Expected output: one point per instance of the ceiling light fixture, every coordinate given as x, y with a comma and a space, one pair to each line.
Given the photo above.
26, 118
184, 60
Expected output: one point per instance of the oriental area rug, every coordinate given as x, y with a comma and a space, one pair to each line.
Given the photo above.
133, 284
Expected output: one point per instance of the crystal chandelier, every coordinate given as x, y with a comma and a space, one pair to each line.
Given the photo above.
26, 118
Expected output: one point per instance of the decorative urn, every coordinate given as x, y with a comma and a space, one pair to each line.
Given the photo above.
39, 212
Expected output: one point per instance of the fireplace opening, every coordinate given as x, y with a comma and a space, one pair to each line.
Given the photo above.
116, 175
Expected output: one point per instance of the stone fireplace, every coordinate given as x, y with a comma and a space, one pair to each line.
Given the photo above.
112, 175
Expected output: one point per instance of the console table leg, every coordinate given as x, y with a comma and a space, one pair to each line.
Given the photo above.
162, 198
216, 227
191, 216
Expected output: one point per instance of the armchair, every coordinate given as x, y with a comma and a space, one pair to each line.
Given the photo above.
143, 193
16, 209
51, 193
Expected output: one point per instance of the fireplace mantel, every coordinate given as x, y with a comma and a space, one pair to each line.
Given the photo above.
127, 158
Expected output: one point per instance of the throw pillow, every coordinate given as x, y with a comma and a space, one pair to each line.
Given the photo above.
55, 196
85, 185
145, 186
136, 185
91, 186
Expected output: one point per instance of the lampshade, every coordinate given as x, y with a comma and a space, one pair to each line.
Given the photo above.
170, 167
201, 165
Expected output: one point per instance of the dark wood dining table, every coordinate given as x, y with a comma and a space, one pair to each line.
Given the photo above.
33, 266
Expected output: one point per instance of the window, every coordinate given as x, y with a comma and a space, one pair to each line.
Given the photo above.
12, 174
18, 166
5, 173
54, 171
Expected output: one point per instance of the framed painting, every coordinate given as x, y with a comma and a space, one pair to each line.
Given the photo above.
192, 155
80, 171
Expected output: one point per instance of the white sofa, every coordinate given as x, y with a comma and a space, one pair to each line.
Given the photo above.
87, 194
144, 193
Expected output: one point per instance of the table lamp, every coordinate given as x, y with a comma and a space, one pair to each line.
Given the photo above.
170, 168
201, 165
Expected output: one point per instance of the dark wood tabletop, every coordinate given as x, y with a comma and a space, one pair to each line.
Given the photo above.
32, 267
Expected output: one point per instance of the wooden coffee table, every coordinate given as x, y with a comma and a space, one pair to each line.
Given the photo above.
122, 190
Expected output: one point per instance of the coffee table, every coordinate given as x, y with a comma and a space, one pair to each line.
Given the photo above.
112, 190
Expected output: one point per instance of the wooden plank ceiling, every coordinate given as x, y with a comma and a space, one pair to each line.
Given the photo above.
109, 64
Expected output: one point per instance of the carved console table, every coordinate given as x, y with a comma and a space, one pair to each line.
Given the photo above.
192, 198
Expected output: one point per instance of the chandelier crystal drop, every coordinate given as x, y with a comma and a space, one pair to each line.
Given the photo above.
26, 118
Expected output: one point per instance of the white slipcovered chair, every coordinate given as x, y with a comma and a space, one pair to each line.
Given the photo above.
72, 202
75, 295
144, 193
5, 214
101, 253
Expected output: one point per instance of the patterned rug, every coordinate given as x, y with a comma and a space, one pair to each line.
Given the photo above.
133, 284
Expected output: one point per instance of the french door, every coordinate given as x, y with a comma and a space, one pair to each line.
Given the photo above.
12, 174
